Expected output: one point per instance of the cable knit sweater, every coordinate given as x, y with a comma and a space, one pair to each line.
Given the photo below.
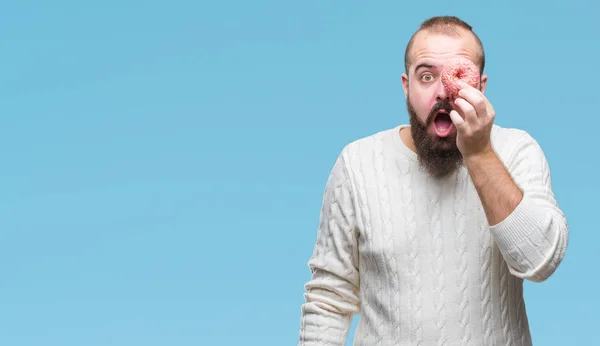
415, 256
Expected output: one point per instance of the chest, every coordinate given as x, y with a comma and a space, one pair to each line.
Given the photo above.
405, 211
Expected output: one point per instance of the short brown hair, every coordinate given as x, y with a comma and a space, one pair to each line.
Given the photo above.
444, 25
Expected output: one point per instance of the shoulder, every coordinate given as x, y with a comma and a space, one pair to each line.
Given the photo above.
357, 155
504, 136
510, 143
365, 147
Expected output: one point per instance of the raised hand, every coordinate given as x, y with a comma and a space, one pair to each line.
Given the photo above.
473, 119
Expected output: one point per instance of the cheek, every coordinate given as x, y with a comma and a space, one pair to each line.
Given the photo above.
421, 103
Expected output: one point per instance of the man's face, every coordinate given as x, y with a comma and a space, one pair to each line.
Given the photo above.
429, 103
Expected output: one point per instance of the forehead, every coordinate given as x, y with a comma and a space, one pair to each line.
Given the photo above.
437, 48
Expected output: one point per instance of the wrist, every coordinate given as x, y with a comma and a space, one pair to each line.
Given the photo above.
482, 156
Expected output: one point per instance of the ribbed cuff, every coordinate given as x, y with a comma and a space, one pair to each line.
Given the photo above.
525, 220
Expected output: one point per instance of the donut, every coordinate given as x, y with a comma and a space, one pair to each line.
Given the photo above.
459, 69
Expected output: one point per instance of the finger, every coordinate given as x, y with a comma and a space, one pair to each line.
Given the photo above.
466, 109
460, 124
491, 113
476, 98
462, 85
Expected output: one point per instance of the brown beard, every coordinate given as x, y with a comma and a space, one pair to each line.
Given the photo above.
439, 156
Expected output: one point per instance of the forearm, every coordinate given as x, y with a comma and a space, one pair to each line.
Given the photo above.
497, 191
327, 313
332, 293
525, 221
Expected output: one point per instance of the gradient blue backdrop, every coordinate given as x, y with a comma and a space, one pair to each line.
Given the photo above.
162, 163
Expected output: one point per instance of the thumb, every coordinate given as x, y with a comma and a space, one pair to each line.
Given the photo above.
458, 121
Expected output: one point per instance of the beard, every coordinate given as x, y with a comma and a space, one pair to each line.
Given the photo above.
438, 155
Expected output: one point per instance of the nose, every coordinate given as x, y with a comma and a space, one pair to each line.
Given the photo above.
441, 94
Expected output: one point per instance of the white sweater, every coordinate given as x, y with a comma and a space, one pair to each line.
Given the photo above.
416, 258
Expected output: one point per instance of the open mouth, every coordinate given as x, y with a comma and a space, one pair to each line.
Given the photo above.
442, 124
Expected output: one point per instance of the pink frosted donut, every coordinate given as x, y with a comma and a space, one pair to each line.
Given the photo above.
459, 69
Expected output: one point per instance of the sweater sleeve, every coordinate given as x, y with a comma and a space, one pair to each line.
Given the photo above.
533, 239
331, 295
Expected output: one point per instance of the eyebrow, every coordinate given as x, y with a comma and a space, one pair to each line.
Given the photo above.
422, 65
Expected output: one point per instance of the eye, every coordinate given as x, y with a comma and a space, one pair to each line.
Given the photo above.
428, 77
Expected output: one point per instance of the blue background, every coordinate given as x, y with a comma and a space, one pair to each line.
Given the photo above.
162, 163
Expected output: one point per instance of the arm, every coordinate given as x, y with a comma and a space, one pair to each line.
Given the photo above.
497, 191
331, 296
525, 220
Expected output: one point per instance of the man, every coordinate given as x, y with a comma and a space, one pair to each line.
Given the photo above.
429, 236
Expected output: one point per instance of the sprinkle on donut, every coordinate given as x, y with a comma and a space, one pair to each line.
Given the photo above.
459, 69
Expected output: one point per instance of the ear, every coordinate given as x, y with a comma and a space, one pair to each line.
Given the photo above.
483, 83
405, 84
